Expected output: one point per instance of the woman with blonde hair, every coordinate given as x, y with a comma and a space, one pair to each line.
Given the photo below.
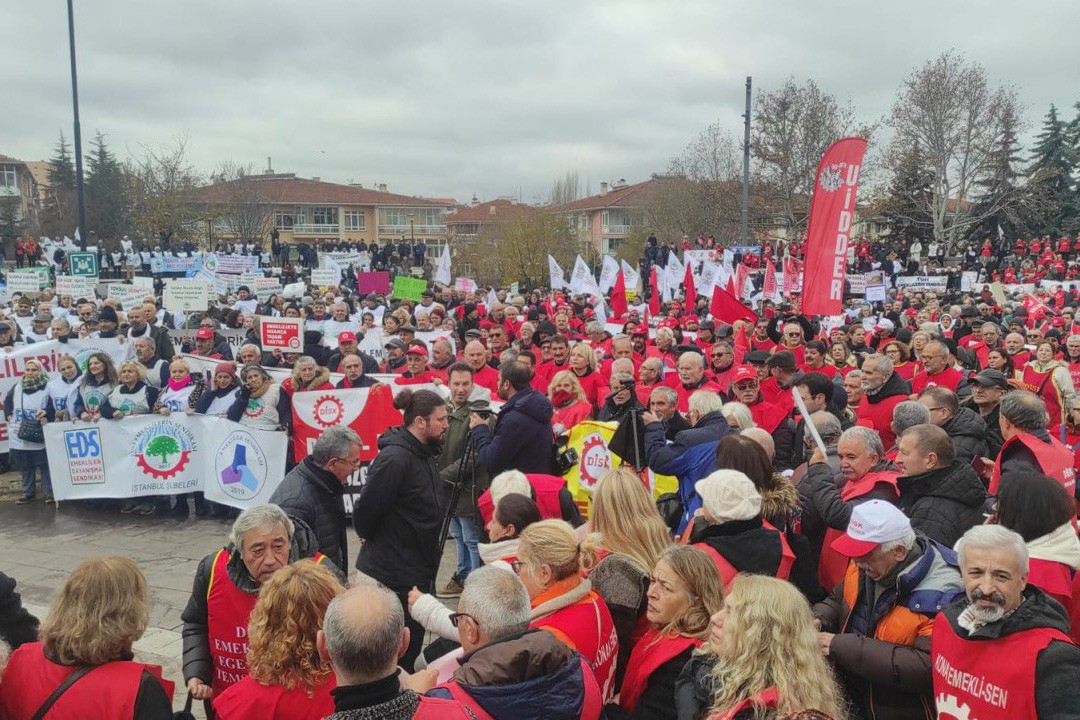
182, 390
582, 363
629, 535
738, 416
550, 561
568, 399
762, 659
307, 375
64, 387
132, 395
86, 642
285, 677
685, 590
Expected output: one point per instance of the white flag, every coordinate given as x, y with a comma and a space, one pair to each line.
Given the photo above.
631, 276
557, 279
492, 298
78, 236
608, 273
331, 264
601, 311
442, 269
710, 275
582, 280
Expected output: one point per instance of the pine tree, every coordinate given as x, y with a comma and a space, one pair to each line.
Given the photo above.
907, 209
58, 217
1073, 139
1050, 176
107, 208
1003, 201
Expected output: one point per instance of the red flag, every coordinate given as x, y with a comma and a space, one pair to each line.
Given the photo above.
1037, 309
829, 227
654, 294
618, 296
727, 308
742, 275
770, 281
688, 287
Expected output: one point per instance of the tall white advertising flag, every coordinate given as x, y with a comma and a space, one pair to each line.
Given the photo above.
631, 276
557, 279
442, 270
608, 273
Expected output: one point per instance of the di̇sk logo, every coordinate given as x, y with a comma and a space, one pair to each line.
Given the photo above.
595, 460
328, 411
163, 450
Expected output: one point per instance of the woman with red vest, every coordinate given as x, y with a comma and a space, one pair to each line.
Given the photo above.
630, 535
550, 493
568, 400
762, 658
1049, 379
550, 562
285, 679
1040, 510
685, 591
583, 364
83, 667
900, 355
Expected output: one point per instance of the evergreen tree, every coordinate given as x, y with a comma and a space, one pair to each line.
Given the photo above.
11, 225
907, 208
1073, 139
1050, 176
107, 208
1003, 201
59, 214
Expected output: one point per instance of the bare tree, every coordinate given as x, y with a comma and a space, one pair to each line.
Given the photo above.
950, 109
792, 128
163, 184
517, 251
246, 212
566, 189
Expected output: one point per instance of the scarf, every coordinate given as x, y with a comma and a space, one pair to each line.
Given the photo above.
562, 398
175, 385
1060, 545
30, 386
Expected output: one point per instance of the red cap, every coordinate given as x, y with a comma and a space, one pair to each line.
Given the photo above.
668, 323
416, 350
640, 330
743, 372
205, 334
346, 337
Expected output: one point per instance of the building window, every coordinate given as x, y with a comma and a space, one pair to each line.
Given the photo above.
284, 220
354, 220
324, 216
8, 177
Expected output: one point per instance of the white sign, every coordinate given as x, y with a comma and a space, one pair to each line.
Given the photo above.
23, 281
186, 296
324, 277
77, 286
922, 283
968, 278
127, 295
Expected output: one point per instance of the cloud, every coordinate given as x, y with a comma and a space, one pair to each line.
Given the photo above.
485, 97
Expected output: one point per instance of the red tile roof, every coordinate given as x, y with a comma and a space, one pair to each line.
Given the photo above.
288, 189
495, 211
631, 196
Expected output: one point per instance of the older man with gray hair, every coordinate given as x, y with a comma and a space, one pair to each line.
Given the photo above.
262, 541
905, 415
1002, 651
883, 390
507, 666
1028, 445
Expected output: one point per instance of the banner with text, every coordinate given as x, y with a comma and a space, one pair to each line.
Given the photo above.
922, 283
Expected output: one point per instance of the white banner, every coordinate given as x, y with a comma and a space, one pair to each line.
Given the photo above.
922, 283
146, 455
185, 296
234, 339
631, 276
968, 279
556, 277
23, 281
127, 295
77, 286
325, 277
442, 270
608, 273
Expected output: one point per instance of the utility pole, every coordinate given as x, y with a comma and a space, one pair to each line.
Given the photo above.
744, 215
78, 131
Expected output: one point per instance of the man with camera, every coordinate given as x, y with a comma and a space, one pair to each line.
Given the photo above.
521, 438
457, 469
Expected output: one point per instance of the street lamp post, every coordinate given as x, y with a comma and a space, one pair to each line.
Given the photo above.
412, 231
78, 130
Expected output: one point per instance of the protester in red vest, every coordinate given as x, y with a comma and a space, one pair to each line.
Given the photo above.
937, 360
509, 671
690, 378
225, 589
568, 400
476, 356
550, 493
283, 682
884, 389
1002, 652
86, 643
1049, 379
1028, 446
685, 590
582, 363
416, 362
746, 672
560, 352
362, 639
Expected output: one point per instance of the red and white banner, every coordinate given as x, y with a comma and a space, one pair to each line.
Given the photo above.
368, 412
284, 333
828, 232
771, 290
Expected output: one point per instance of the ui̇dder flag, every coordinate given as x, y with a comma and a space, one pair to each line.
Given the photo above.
829, 229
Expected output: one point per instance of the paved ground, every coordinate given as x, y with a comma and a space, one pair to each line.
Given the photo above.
39, 546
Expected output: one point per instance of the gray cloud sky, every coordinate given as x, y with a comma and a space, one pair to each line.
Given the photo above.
485, 96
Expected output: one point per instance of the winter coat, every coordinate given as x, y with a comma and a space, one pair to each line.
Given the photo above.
695, 688
994, 440
476, 479
882, 646
710, 428
623, 585
522, 438
878, 409
943, 503
399, 513
967, 430
17, 625
311, 496
834, 511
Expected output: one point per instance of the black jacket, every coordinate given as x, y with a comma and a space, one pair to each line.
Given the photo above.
710, 428
944, 503
17, 625
994, 440
312, 496
522, 438
399, 513
1056, 667
967, 430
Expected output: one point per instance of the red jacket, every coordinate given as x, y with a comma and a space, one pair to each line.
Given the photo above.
251, 700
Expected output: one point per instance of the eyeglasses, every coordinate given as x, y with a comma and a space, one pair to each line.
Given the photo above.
515, 565
746, 385
455, 618
352, 463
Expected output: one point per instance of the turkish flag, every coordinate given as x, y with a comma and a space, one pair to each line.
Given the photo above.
688, 286
654, 294
726, 307
618, 296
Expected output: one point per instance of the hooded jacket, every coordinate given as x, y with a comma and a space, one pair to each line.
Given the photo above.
312, 496
943, 503
968, 433
522, 438
878, 410
399, 513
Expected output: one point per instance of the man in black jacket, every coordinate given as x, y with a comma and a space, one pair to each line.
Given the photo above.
400, 510
966, 428
139, 327
522, 438
311, 493
17, 625
987, 389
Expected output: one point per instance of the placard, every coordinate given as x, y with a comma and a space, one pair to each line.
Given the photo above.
185, 296
23, 281
324, 277
84, 264
465, 284
76, 286
407, 288
127, 295
373, 282
284, 333
922, 283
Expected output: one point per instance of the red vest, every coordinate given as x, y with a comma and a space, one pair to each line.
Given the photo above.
249, 699
588, 625
765, 699
1074, 371
1060, 582
878, 416
1054, 460
831, 564
439, 709
986, 679
1042, 384
727, 570
948, 378
107, 691
546, 489
590, 707
651, 651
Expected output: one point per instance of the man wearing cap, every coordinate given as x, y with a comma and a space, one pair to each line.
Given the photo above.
108, 323
347, 345
416, 362
395, 356
204, 345
39, 329
784, 373
969, 315
705, 336
987, 388
876, 624
772, 418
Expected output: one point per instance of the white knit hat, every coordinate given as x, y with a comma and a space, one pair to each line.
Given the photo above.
729, 495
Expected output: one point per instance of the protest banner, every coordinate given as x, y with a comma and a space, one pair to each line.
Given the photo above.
23, 281
359, 261
922, 283
284, 333
145, 455
264, 287
173, 264
465, 284
407, 288
185, 296
235, 264
127, 295
324, 277
77, 286
373, 282
857, 284
590, 438
233, 338
968, 278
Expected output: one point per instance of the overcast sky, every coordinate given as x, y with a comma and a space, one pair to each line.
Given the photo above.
490, 97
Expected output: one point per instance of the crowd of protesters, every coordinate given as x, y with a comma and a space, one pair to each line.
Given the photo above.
875, 514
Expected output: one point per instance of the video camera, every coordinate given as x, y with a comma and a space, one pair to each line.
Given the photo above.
565, 457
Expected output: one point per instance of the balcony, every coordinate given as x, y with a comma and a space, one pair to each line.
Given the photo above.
399, 230
615, 229
9, 191
313, 229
